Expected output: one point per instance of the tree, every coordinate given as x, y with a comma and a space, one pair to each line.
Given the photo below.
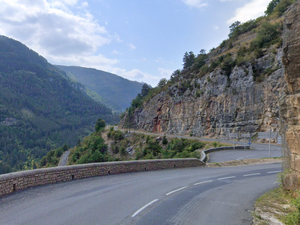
129, 118
188, 59
202, 51
162, 82
100, 124
234, 29
175, 75
145, 89
272, 5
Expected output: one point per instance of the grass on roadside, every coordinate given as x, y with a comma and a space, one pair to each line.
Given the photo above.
277, 205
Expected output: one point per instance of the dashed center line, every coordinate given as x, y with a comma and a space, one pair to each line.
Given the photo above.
275, 171
203, 182
252, 174
224, 178
179, 189
144, 207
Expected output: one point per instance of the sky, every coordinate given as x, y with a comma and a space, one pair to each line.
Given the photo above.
140, 40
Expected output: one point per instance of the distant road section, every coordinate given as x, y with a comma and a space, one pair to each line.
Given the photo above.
64, 158
257, 151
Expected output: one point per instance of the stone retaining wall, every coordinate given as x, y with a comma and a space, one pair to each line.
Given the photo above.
12, 182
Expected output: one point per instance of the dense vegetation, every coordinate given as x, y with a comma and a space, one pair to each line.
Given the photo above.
267, 31
110, 89
127, 146
39, 108
53, 156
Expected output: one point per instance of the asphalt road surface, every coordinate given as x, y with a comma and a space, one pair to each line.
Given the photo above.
179, 196
257, 151
64, 158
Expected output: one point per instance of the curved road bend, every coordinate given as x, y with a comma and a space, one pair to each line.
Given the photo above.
257, 151
178, 196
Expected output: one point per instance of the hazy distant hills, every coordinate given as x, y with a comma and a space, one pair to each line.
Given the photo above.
40, 107
112, 90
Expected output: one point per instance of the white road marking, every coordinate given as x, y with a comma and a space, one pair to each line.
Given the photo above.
179, 189
223, 178
275, 171
252, 174
244, 157
144, 207
203, 182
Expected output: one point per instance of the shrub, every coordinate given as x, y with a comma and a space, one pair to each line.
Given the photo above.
294, 218
164, 140
58, 152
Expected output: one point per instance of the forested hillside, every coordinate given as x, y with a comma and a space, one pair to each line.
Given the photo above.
110, 89
40, 108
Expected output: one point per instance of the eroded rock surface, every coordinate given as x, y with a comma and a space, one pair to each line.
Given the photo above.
216, 105
290, 104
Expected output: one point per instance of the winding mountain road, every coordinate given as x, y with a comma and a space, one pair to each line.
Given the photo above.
179, 196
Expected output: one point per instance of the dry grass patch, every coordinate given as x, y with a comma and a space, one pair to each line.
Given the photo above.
272, 207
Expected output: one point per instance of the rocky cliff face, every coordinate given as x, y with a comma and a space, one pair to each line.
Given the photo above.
244, 98
216, 105
290, 103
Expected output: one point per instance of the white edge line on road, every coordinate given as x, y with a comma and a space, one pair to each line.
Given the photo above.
203, 182
245, 157
144, 207
252, 174
223, 178
275, 171
179, 189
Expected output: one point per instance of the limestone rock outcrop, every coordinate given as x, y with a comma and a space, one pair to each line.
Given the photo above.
216, 105
290, 103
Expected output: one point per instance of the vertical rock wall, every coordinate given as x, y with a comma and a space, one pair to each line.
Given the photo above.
215, 104
290, 104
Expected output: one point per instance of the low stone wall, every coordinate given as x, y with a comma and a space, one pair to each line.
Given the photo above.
12, 182
205, 152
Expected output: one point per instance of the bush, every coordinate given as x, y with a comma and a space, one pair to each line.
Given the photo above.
228, 64
294, 218
267, 33
58, 152
100, 125
164, 140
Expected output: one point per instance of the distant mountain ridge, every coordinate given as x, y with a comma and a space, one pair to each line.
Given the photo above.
40, 108
112, 90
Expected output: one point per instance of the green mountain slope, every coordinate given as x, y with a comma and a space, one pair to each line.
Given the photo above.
112, 90
40, 108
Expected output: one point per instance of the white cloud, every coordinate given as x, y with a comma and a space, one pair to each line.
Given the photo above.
117, 37
136, 75
160, 60
115, 52
131, 46
195, 3
165, 73
85, 4
215, 27
51, 30
62, 36
251, 10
